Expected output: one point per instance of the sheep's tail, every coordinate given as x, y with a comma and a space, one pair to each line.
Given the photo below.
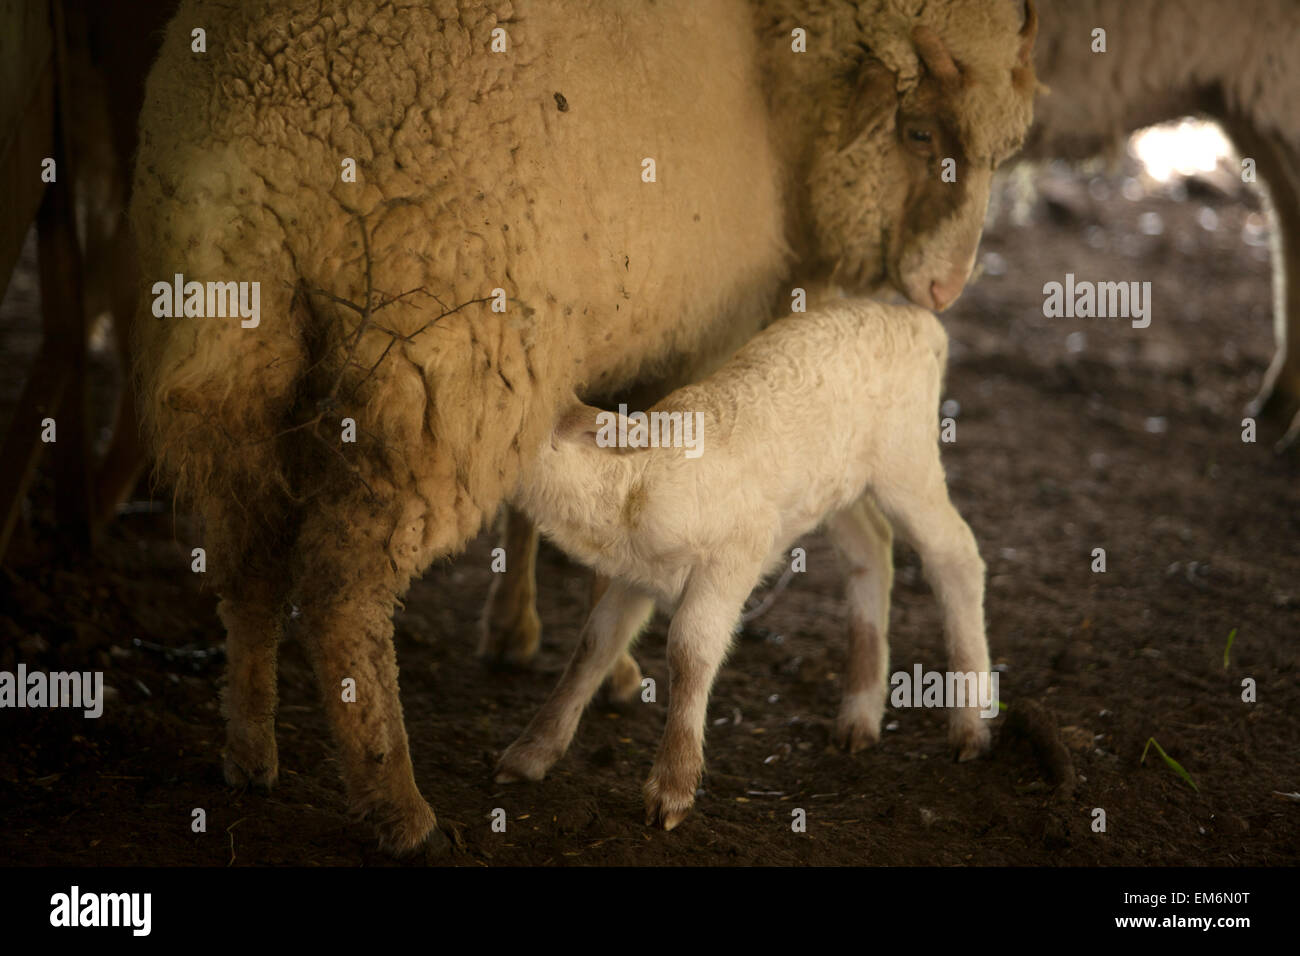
216, 397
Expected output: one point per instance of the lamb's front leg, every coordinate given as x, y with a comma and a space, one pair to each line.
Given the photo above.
951, 561
612, 626
698, 640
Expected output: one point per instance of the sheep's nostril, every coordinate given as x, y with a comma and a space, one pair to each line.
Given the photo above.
937, 296
944, 293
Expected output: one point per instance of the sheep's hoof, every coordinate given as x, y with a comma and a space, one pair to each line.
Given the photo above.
969, 739
622, 688
250, 759
436, 846
666, 805
1277, 408
853, 734
523, 762
405, 833
512, 644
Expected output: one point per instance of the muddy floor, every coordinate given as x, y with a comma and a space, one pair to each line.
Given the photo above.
1071, 435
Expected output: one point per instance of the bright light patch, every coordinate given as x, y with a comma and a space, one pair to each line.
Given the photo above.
1185, 148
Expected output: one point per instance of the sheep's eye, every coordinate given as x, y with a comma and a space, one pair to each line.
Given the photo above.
920, 139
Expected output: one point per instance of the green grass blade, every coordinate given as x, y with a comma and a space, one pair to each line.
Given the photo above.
1173, 764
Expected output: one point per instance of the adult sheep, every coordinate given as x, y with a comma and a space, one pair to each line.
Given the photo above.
1232, 60
500, 146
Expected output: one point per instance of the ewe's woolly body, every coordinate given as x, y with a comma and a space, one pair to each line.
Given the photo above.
468, 176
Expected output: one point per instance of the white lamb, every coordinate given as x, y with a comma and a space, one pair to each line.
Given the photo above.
829, 417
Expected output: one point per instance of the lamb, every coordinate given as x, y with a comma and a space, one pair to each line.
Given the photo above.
1232, 61
548, 197
827, 417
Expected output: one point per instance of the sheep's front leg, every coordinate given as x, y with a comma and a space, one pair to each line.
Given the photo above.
510, 632
698, 640
864, 541
613, 624
924, 515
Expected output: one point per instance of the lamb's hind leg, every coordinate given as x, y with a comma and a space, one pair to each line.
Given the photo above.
864, 541
348, 576
612, 625
923, 514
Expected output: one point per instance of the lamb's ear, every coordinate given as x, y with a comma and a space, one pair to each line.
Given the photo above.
874, 97
580, 423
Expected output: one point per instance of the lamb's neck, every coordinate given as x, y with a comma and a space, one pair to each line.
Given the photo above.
576, 495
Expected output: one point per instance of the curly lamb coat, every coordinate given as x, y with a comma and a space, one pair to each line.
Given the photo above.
520, 170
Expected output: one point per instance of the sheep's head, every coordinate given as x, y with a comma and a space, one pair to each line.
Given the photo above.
924, 103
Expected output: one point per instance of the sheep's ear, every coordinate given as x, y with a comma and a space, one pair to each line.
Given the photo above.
1028, 31
580, 423
874, 98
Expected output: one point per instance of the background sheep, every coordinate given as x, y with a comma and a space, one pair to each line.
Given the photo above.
1169, 59
520, 170
823, 417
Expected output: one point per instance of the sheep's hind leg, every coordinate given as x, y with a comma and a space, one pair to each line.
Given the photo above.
510, 632
923, 513
864, 541
615, 621
251, 578
1278, 401
698, 640
347, 586
253, 613
623, 682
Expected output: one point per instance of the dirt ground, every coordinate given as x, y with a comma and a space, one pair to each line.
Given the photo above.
1071, 435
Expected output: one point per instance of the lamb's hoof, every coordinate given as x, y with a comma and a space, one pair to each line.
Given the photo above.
511, 644
524, 762
250, 759
854, 734
622, 688
666, 805
968, 739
